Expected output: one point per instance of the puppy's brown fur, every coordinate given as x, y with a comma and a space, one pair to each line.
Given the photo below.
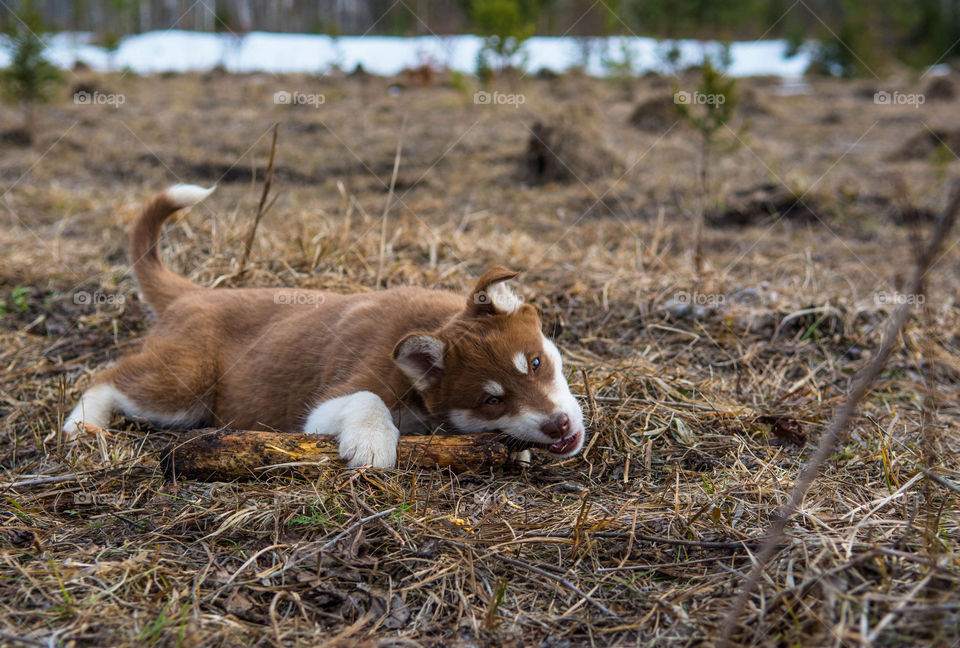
269, 358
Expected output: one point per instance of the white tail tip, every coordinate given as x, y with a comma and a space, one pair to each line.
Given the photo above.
185, 195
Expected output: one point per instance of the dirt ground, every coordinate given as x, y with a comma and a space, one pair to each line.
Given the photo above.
705, 389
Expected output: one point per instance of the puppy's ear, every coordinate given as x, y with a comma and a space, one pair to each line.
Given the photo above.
420, 358
492, 296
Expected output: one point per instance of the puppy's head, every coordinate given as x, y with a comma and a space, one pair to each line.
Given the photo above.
492, 369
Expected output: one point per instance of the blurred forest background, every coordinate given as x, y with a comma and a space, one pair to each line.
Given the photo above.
851, 37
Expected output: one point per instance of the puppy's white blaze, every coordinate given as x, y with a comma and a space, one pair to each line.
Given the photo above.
363, 426
494, 388
520, 362
185, 195
503, 299
559, 392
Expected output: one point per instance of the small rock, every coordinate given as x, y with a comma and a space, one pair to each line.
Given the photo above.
759, 295
940, 89
685, 310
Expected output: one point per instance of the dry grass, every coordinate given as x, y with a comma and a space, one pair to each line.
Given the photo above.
641, 540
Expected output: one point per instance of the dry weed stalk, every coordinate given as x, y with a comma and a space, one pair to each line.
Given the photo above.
386, 207
262, 207
844, 414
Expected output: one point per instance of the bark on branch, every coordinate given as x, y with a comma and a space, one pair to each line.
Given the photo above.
228, 455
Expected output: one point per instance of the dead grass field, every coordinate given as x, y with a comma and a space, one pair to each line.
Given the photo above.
697, 416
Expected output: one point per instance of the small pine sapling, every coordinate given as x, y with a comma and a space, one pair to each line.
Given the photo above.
30, 78
709, 110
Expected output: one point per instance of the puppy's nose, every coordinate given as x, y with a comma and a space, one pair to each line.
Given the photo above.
557, 426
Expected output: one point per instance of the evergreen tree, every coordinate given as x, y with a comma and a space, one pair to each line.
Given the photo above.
30, 78
505, 25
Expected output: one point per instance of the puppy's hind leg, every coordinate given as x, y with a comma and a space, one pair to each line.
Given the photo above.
96, 407
363, 426
145, 386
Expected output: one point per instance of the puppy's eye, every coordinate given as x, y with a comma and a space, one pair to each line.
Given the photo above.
535, 364
493, 400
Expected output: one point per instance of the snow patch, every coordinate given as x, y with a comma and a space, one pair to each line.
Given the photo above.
184, 51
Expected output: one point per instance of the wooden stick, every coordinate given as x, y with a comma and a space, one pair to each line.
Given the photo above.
228, 455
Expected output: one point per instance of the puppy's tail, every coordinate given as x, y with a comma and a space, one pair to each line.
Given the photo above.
158, 285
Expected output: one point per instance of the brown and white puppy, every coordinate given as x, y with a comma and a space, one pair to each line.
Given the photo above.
362, 368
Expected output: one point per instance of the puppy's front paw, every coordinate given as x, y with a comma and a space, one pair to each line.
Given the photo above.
370, 446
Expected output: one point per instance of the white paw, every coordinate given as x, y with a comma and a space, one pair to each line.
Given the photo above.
522, 457
76, 425
370, 446
95, 407
73, 428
